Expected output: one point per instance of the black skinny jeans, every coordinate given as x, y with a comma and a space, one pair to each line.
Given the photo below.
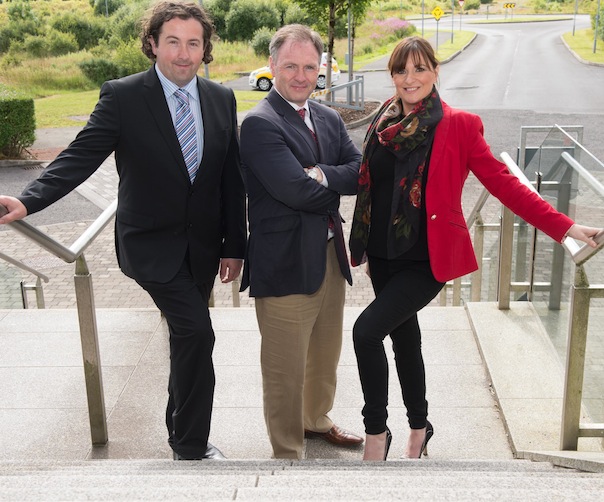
402, 288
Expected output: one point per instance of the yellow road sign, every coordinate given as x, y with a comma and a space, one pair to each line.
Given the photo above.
509, 5
437, 13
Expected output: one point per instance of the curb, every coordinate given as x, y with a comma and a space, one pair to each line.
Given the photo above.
367, 119
577, 57
21, 163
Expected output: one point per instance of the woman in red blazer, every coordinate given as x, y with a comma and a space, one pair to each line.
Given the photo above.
409, 226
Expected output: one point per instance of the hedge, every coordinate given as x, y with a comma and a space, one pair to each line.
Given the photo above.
17, 123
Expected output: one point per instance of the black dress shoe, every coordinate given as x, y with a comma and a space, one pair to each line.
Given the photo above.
212, 453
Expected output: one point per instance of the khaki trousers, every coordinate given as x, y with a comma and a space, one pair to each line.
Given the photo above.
300, 351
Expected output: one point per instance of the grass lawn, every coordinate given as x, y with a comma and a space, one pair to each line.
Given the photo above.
583, 44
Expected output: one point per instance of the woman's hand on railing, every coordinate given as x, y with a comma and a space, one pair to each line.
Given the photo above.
11, 209
584, 234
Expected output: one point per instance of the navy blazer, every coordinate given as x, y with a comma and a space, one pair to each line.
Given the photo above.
288, 211
160, 215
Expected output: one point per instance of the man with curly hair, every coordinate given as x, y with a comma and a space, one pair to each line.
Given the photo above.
181, 201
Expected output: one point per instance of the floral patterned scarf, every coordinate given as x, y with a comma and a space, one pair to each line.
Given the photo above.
409, 138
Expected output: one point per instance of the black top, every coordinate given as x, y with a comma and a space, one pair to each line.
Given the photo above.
381, 169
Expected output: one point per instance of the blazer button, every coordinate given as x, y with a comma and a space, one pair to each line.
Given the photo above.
433, 217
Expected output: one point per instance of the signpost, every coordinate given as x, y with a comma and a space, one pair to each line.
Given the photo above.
437, 12
452, 19
461, 2
509, 6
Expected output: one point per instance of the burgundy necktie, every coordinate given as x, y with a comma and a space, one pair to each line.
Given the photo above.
302, 113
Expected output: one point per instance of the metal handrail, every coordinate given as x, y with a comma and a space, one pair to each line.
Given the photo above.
23, 266
357, 85
86, 310
581, 294
73, 252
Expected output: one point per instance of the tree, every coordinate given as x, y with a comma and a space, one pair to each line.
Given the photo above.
331, 10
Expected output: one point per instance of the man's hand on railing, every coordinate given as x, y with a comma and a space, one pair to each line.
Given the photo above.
583, 233
11, 209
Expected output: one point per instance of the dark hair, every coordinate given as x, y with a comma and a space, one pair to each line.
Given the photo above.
415, 47
296, 33
166, 10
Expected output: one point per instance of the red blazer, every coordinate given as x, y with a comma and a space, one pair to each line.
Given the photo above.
459, 147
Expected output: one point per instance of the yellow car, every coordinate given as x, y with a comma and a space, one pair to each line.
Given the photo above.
262, 78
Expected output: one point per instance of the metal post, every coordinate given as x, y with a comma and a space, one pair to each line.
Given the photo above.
596, 27
90, 352
350, 57
456, 302
205, 65
423, 7
521, 247
476, 278
575, 15
506, 243
534, 249
557, 274
575, 361
40, 294
452, 18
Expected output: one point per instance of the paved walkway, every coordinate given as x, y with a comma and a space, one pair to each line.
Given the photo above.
43, 404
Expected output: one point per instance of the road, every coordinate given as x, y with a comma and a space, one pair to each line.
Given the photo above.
519, 66
523, 66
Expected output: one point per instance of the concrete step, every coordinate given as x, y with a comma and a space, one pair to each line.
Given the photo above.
295, 480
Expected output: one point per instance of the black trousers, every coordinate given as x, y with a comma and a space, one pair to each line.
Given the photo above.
184, 303
402, 288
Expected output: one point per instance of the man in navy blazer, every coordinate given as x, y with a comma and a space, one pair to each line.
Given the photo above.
173, 231
297, 160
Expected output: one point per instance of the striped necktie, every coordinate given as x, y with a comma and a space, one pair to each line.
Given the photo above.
185, 131
302, 113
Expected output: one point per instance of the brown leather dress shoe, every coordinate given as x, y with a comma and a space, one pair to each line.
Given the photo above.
337, 436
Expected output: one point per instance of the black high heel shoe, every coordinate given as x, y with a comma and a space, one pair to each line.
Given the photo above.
429, 434
388, 441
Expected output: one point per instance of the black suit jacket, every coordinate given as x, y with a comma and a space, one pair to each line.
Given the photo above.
288, 211
160, 215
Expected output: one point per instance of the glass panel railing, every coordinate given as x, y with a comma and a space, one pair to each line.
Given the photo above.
572, 180
10, 292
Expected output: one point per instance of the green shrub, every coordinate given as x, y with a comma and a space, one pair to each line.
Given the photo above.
20, 11
261, 41
130, 59
126, 22
296, 15
471, 5
18, 121
17, 31
36, 46
218, 10
106, 7
99, 70
248, 16
60, 43
87, 31
6, 37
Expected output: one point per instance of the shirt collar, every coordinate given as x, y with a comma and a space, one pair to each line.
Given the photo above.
294, 105
170, 87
